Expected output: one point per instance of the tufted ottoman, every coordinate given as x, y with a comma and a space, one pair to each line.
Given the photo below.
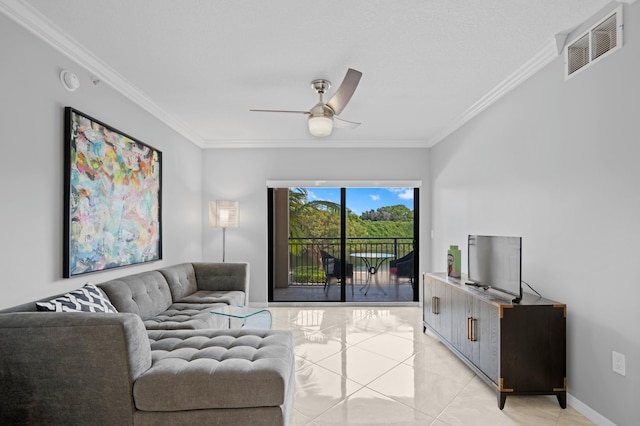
246, 376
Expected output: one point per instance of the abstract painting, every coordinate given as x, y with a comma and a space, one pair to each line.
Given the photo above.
112, 197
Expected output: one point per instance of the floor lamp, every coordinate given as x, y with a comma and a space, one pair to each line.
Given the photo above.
224, 214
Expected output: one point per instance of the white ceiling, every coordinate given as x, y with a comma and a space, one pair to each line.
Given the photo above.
200, 65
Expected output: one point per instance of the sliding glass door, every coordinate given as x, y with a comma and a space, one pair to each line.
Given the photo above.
380, 232
337, 244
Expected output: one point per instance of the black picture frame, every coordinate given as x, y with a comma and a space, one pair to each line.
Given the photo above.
112, 197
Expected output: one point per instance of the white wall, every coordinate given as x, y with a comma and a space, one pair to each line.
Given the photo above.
241, 174
32, 102
556, 162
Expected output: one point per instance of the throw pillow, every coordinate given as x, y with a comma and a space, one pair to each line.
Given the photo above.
86, 299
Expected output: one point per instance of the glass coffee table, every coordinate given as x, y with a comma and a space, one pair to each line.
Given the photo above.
246, 316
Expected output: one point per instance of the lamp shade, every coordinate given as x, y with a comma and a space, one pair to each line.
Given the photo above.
320, 125
224, 214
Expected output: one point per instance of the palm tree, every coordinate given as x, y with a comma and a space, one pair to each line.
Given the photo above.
299, 209
299, 204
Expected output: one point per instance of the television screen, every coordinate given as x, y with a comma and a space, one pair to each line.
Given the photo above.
495, 262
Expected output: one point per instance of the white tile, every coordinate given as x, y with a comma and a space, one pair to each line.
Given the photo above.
479, 401
316, 346
318, 389
390, 346
439, 359
299, 419
370, 408
358, 364
423, 390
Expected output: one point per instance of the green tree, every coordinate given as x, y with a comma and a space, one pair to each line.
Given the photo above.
302, 213
320, 219
397, 213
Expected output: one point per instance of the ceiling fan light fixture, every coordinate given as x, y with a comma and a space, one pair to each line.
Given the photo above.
320, 125
320, 120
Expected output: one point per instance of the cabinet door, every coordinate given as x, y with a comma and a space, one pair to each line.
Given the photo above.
427, 314
532, 340
465, 337
437, 311
459, 314
488, 329
476, 332
442, 319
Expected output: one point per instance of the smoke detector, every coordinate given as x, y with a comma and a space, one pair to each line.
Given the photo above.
69, 80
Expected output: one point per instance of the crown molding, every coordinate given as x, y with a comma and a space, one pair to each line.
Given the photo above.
43, 28
319, 143
543, 57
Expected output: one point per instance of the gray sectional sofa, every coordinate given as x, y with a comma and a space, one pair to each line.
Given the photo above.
161, 359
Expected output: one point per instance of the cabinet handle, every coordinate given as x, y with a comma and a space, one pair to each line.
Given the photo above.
435, 305
471, 329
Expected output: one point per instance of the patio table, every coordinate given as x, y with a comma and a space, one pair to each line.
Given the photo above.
373, 261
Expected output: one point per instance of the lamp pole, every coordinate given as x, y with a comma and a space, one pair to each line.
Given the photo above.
223, 242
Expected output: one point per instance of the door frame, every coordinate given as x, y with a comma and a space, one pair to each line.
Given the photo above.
342, 185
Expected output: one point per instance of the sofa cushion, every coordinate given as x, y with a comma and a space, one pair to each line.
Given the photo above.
209, 296
89, 298
187, 316
205, 369
146, 294
223, 276
181, 279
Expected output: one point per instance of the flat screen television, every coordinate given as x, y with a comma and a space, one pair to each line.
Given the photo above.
496, 263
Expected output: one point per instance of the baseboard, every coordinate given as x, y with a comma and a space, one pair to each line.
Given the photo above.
588, 412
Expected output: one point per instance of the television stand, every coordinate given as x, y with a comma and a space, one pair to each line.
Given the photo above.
516, 348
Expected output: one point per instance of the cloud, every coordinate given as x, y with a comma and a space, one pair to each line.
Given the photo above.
374, 197
407, 194
403, 193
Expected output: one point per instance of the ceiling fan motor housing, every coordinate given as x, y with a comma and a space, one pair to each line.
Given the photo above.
320, 120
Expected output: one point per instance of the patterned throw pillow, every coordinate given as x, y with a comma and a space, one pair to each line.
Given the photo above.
86, 299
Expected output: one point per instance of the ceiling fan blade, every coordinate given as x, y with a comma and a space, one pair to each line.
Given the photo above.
344, 124
279, 110
342, 96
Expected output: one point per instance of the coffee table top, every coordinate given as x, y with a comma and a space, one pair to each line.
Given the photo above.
236, 311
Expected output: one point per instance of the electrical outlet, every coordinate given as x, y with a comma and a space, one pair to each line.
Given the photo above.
618, 362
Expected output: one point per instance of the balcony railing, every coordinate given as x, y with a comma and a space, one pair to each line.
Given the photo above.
305, 255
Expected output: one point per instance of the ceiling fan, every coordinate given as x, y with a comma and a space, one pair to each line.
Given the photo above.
323, 116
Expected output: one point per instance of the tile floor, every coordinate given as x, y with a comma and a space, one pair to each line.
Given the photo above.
375, 366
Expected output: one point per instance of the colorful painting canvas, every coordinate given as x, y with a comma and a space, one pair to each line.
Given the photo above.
112, 197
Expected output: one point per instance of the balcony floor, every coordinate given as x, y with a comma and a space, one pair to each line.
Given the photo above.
395, 292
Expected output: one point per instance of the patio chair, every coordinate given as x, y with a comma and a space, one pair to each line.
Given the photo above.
332, 266
402, 268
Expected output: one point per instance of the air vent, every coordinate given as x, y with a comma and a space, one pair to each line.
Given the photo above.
578, 54
604, 37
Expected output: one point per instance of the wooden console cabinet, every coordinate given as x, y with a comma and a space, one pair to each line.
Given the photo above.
518, 349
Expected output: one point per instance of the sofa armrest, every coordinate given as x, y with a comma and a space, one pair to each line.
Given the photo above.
223, 277
70, 368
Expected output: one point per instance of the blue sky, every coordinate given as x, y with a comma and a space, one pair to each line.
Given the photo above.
364, 199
